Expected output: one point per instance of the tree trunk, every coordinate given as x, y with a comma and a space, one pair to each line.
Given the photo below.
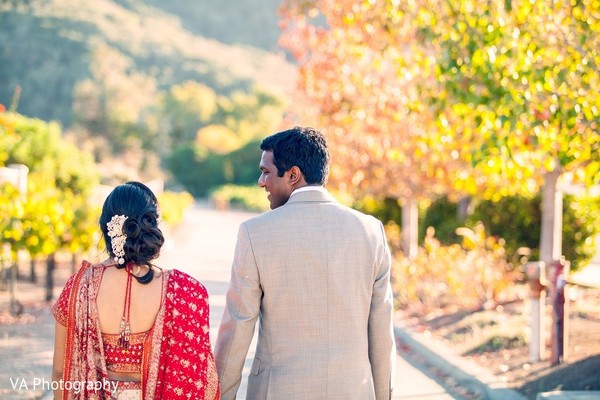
552, 210
4, 267
551, 242
50, 265
464, 208
16, 308
32, 274
410, 228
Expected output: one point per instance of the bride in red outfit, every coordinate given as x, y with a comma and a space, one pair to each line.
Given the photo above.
126, 329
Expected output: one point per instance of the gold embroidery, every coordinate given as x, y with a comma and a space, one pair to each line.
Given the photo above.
127, 390
134, 339
154, 343
124, 360
212, 380
124, 368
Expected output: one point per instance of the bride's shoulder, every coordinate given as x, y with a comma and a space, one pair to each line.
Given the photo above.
185, 281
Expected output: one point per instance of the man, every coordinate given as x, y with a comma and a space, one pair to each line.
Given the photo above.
318, 275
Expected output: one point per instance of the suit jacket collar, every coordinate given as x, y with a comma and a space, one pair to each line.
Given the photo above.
311, 196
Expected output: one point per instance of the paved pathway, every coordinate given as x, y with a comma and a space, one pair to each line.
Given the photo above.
203, 247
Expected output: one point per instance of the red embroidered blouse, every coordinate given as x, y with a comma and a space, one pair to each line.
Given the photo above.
117, 358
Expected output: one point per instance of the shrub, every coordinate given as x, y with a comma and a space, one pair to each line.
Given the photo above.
442, 214
517, 220
201, 171
250, 198
173, 206
580, 229
244, 164
197, 170
472, 274
384, 210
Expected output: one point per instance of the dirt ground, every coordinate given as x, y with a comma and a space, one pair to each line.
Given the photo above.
498, 340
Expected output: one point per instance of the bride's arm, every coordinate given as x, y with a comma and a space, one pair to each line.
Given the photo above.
60, 337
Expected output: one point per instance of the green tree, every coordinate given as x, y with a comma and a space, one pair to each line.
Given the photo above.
226, 148
251, 113
11, 213
185, 109
521, 78
54, 214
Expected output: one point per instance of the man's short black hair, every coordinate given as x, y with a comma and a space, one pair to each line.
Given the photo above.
303, 147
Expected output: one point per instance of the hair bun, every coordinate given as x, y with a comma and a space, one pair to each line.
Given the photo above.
132, 228
136, 203
145, 240
149, 219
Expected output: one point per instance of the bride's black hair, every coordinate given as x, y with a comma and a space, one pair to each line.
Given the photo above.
144, 238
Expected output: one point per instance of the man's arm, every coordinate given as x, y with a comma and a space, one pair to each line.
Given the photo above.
382, 348
239, 318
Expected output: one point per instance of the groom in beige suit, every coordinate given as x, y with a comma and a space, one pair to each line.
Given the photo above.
316, 275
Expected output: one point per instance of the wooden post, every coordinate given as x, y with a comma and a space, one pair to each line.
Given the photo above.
537, 285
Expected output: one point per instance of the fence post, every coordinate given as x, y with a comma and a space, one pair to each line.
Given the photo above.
537, 284
558, 272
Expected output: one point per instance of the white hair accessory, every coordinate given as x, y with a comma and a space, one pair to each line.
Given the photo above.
117, 237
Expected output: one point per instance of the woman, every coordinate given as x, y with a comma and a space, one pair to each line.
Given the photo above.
125, 329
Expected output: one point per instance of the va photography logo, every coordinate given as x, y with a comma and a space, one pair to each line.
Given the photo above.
22, 384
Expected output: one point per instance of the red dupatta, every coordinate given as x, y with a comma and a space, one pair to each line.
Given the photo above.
186, 367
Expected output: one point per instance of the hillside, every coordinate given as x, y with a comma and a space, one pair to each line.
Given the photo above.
247, 22
49, 46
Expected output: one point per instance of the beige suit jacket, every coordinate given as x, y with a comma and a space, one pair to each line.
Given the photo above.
316, 275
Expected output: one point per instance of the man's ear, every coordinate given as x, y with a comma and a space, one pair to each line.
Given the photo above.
295, 175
